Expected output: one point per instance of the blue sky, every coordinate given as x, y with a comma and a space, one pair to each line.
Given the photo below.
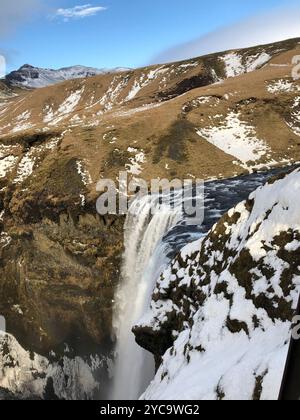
126, 33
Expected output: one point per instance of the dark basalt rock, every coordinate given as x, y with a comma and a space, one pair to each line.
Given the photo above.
186, 85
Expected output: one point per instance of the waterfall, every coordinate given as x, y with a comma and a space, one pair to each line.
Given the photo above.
144, 259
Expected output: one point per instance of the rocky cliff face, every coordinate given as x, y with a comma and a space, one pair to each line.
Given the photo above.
59, 260
221, 314
58, 257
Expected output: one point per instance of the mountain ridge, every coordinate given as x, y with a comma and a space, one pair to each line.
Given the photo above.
28, 76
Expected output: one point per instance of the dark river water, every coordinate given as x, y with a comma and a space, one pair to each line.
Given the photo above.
220, 196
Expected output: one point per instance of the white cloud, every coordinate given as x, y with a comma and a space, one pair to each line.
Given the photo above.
276, 25
79, 12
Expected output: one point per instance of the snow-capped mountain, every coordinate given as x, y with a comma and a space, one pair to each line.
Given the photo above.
34, 77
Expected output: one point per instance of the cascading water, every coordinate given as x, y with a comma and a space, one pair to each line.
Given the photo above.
144, 259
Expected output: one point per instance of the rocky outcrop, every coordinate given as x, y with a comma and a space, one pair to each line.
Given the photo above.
221, 313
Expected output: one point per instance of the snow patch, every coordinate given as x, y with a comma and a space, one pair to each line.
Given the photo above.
235, 64
21, 122
236, 138
135, 166
282, 86
294, 124
66, 108
49, 114
144, 81
7, 164
84, 173
257, 61
115, 89
28, 161
25, 168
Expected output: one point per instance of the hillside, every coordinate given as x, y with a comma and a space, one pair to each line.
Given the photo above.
5, 91
221, 314
171, 114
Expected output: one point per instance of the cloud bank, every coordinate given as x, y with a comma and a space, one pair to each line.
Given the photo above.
79, 12
274, 26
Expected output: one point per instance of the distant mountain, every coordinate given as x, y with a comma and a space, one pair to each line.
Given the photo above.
34, 77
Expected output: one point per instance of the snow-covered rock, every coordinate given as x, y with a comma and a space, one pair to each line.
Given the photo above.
220, 318
27, 375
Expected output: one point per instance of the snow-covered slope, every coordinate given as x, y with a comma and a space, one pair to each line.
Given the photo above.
27, 375
221, 313
236, 64
34, 77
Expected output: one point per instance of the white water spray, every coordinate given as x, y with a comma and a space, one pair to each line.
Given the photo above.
144, 259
